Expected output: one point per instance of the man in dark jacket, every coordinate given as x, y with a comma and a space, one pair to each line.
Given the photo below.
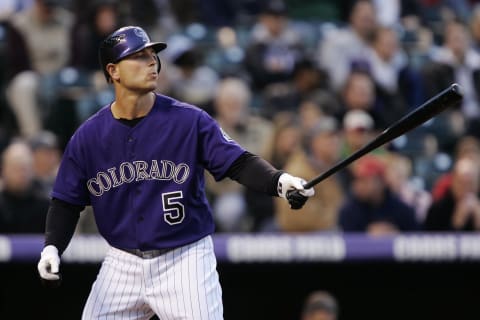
22, 209
371, 206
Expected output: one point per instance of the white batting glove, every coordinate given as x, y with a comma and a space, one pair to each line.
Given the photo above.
287, 183
49, 263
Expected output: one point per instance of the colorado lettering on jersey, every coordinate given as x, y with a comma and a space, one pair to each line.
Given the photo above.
128, 172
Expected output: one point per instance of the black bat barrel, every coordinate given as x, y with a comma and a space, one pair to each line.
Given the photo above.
449, 97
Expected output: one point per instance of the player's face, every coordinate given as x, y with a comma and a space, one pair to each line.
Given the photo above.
138, 72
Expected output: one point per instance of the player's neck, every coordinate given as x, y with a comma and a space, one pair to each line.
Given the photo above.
127, 106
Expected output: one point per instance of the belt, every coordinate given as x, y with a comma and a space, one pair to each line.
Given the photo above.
147, 254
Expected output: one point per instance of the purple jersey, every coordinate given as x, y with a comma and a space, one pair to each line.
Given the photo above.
146, 183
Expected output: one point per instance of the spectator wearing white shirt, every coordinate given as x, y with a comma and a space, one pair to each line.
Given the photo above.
342, 47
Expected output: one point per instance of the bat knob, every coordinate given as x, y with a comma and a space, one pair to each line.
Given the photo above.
296, 199
457, 89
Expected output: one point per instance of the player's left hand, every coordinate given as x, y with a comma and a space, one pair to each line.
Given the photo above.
49, 264
288, 184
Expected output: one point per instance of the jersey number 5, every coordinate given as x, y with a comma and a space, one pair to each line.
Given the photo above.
174, 211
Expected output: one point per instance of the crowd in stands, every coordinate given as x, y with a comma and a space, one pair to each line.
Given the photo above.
301, 83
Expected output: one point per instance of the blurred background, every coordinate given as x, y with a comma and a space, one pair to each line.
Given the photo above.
301, 83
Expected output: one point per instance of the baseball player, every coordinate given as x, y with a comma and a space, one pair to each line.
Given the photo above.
140, 161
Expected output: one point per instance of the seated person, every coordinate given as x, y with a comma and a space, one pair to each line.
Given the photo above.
321, 152
23, 208
459, 207
372, 206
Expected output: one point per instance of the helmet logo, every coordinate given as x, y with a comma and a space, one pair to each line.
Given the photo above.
113, 41
141, 34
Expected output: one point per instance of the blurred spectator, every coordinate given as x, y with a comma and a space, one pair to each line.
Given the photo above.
102, 19
398, 85
371, 206
430, 161
459, 208
91, 89
11, 45
232, 106
154, 16
456, 61
189, 78
460, 9
361, 59
309, 113
400, 179
341, 48
273, 48
15, 58
22, 208
386, 59
233, 113
7, 7
226, 56
474, 25
358, 130
358, 93
306, 84
46, 30
320, 305
393, 13
467, 146
438, 12
46, 159
320, 213
286, 141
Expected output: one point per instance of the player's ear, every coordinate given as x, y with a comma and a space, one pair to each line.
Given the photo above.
112, 70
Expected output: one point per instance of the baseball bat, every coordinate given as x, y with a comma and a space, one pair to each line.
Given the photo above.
443, 100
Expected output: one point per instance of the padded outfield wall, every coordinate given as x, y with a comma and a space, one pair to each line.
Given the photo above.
267, 276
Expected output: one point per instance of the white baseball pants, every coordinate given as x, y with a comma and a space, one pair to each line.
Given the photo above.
180, 284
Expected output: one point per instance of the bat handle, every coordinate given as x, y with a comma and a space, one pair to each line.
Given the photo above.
290, 193
296, 199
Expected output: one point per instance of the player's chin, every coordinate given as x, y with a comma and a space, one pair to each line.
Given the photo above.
150, 85
152, 80
144, 89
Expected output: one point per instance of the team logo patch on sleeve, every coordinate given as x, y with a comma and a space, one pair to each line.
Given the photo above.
226, 136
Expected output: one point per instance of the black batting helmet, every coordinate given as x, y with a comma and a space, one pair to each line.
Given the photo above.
124, 42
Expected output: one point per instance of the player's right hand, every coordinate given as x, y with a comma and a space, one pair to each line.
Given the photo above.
291, 188
49, 263
287, 182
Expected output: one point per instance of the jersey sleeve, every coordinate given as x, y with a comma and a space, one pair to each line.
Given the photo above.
70, 184
218, 151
